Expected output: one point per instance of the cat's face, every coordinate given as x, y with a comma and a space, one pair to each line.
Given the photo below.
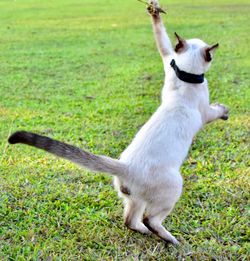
194, 55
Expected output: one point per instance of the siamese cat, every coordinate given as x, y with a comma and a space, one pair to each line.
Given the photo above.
147, 174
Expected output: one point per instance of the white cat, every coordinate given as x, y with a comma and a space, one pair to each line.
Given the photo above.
147, 175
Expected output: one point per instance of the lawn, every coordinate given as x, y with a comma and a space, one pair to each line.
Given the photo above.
88, 73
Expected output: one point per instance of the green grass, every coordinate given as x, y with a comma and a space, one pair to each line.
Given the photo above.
88, 73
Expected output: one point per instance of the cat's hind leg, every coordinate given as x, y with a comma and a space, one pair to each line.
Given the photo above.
133, 213
154, 220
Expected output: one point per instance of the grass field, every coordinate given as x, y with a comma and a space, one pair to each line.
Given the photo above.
88, 73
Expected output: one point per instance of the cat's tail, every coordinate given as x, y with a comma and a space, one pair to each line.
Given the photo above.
69, 152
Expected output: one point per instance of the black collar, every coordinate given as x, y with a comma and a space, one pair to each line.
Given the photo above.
187, 77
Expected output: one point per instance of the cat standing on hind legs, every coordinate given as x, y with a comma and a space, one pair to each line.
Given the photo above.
184, 109
147, 174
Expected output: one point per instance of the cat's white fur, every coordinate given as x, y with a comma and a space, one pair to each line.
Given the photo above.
147, 175
156, 153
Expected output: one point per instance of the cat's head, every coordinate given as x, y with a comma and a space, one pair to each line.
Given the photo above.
194, 55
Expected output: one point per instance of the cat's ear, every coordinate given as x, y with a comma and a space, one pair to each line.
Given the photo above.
181, 44
209, 51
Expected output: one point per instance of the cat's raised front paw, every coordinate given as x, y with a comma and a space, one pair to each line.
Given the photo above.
223, 110
154, 8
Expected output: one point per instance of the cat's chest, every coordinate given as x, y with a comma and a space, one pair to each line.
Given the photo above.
164, 139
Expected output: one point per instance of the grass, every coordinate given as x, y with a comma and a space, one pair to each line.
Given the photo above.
88, 73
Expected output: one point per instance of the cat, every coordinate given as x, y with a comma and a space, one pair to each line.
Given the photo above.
147, 174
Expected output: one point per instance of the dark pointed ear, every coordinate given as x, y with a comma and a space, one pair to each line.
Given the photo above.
209, 51
181, 44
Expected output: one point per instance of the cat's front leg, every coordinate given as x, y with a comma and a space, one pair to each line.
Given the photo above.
215, 112
162, 40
